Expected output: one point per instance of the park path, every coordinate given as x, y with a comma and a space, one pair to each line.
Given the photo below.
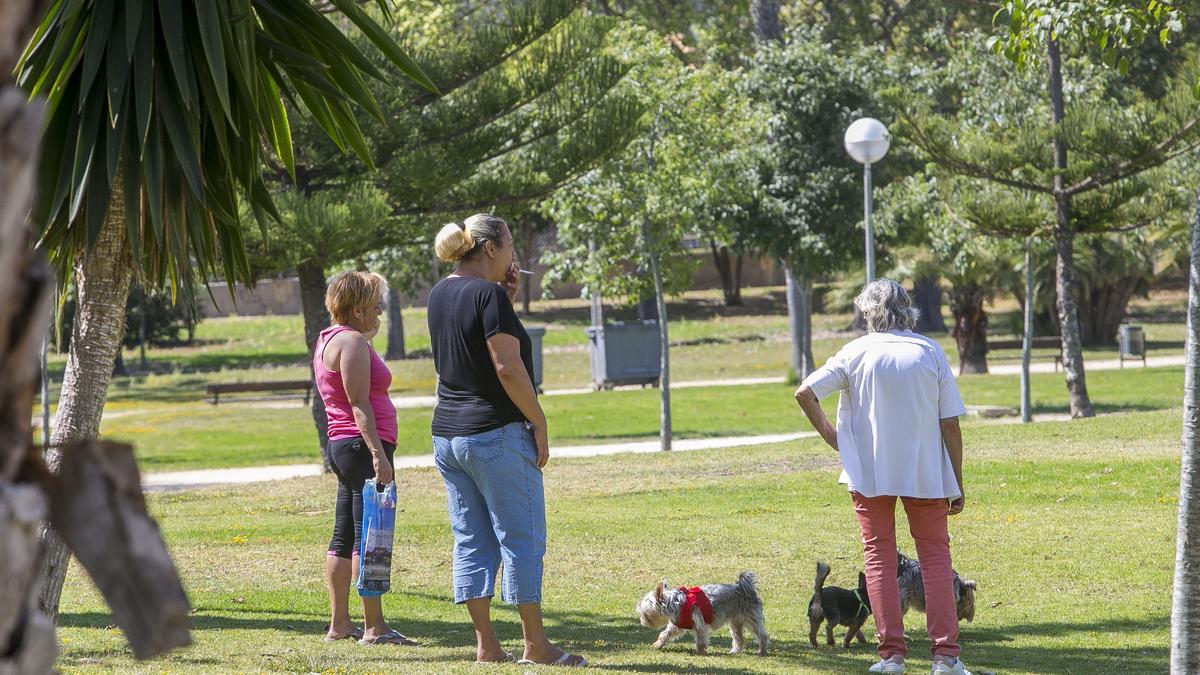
1001, 369
184, 480
413, 402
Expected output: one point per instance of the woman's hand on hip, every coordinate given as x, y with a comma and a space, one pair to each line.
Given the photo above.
541, 439
383, 468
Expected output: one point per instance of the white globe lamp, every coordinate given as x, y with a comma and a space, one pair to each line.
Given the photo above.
867, 140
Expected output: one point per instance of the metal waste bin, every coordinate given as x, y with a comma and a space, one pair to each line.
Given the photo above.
624, 352
535, 337
1131, 344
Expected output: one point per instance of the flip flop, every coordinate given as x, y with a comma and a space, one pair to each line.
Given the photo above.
354, 634
560, 661
392, 637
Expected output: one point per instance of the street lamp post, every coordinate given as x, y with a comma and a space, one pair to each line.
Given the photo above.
867, 141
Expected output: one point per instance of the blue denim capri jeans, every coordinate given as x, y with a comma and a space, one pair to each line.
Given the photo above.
497, 512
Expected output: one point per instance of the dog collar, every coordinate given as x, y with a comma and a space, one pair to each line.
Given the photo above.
861, 605
693, 598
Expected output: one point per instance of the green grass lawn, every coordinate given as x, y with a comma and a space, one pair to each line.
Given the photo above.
712, 341
1069, 532
196, 435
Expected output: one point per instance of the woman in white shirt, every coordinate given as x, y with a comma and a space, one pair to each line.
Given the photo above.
897, 434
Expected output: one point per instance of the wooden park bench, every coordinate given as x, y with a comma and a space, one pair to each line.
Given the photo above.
215, 390
1046, 342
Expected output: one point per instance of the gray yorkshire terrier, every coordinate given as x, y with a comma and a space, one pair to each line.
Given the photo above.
705, 609
912, 589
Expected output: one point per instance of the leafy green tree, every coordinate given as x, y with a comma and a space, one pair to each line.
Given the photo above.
1125, 25
533, 94
159, 118
622, 227
967, 254
987, 128
812, 207
313, 233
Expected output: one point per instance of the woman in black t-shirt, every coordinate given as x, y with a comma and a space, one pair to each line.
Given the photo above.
489, 436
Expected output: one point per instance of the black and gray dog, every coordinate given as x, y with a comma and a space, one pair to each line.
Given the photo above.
838, 606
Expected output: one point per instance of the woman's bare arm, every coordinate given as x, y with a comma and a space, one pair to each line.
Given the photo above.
506, 357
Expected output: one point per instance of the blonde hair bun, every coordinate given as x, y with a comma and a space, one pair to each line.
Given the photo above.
453, 242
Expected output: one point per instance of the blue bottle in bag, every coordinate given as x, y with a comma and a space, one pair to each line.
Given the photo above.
375, 550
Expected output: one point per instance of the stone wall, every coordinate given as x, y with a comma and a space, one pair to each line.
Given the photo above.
282, 295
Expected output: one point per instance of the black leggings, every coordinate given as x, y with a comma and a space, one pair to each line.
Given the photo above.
350, 460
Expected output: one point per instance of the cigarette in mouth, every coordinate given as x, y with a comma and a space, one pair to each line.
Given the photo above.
524, 271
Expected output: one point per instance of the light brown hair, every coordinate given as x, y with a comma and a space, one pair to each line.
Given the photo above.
353, 290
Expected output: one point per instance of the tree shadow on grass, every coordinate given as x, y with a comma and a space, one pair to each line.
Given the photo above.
627, 644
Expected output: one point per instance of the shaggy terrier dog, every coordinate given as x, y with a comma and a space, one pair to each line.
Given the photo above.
912, 590
704, 609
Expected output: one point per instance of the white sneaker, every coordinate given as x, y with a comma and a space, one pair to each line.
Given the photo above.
946, 666
894, 664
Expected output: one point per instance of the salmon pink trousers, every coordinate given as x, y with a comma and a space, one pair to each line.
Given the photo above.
927, 523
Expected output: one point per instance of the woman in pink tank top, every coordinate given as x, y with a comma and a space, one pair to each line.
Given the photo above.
353, 383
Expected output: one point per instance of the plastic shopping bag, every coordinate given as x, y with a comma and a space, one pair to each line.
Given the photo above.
375, 550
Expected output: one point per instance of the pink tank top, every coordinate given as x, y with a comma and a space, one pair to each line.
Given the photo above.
337, 404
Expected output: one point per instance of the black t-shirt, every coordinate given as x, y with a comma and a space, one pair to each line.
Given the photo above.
463, 313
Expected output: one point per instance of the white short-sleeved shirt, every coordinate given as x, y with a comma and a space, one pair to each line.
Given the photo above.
895, 387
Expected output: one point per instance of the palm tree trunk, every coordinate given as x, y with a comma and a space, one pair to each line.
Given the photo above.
395, 335
927, 296
316, 319
970, 328
102, 283
1064, 243
1185, 606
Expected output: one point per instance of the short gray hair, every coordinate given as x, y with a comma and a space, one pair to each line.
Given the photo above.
886, 306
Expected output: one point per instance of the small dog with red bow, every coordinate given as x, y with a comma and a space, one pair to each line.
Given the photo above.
704, 609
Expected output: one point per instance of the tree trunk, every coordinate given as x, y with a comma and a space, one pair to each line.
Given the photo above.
102, 279
1102, 309
316, 319
737, 280
765, 17
970, 328
395, 335
1064, 241
647, 307
799, 302
723, 261
664, 350
927, 295
1185, 604
1028, 298
27, 641
526, 293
